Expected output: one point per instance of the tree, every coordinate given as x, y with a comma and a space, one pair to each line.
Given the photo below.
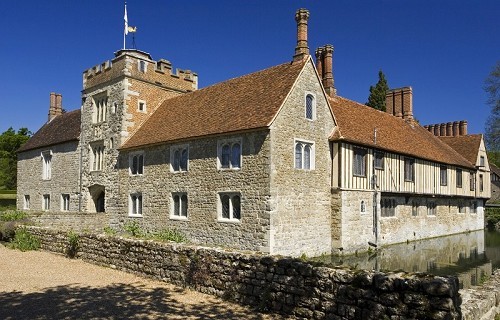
492, 129
376, 99
10, 141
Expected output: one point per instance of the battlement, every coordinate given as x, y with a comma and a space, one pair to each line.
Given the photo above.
139, 65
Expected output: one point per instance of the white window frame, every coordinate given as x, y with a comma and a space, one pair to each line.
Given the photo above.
232, 164
304, 144
46, 165
46, 202
27, 202
97, 152
99, 107
140, 165
231, 209
179, 210
363, 167
179, 149
65, 201
144, 106
313, 106
135, 204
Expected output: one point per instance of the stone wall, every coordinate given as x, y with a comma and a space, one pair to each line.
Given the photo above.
64, 177
70, 220
270, 283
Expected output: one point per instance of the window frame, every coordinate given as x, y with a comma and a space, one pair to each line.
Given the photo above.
232, 160
136, 205
482, 161
388, 207
46, 202
231, 207
459, 177
99, 107
379, 160
139, 171
26, 202
409, 169
472, 181
481, 182
443, 175
65, 202
308, 94
47, 164
431, 209
303, 144
179, 149
176, 213
414, 208
144, 106
142, 66
97, 154
358, 152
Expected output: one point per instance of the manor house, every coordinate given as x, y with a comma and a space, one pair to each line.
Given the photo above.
273, 161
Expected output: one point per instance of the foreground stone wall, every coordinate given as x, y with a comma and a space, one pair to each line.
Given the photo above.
287, 286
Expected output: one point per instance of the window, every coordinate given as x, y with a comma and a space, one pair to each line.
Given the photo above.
46, 165
409, 169
229, 154
100, 103
135, 205
431, 208
97, 157
359, 162
379, 160
362, 207
46, 202
142, 66
472, 181
179, 156
481, 183
65, 202
141, 106
304, 155
310, 107
387, 207
459, 178
230, 206
179, 206
481, 161
26, 204
114, 108
473, 207
136, 164
414, 208
443, 174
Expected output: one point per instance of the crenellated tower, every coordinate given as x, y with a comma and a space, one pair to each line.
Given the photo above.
118, 96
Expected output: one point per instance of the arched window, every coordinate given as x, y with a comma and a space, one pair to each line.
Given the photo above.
229, 154
226, 153
235, 155
230, 206
298, 156
307, 157
177, 160
184, 160
310, 107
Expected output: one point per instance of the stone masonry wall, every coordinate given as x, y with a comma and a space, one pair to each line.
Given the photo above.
300, 198
283, 285
64, 178
202, 184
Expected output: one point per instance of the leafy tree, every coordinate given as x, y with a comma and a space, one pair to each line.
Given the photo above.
376, 99
10, 141
492, 130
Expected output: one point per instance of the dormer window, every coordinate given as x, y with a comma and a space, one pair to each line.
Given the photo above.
310, 107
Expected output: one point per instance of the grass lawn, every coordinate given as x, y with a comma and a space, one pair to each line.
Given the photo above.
8, 194
7, 200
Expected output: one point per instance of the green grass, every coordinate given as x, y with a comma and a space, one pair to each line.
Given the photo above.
8, 196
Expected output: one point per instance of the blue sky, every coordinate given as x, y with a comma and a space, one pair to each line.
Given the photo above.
443, 49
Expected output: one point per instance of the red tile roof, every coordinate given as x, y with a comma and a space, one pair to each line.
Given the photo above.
467, 146
63, 128
357, 124
243, 103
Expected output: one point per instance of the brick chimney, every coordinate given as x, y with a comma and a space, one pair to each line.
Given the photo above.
399, 103
449, 129
324, 62
55, 107
463, 128
319, 62
302, 49
456, 130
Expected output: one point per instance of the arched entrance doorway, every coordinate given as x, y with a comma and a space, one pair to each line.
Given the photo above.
98, 195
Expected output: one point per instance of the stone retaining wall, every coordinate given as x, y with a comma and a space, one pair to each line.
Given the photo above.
271, 283
70, 220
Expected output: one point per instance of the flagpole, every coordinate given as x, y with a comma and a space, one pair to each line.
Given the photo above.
126, 25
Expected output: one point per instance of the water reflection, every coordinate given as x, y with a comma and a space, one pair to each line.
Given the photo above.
470, 256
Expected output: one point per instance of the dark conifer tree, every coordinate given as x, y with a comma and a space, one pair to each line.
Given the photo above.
376, 99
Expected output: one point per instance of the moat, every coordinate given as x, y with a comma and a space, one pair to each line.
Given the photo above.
471, 256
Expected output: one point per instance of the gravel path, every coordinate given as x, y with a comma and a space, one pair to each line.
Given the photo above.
42, 285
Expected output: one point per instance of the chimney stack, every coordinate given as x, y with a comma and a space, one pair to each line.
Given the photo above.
328, 83
301, 50
436, 130
55, 107
407, 103
399, 103
319, 62
449, 129
442, 129
463, 128
456, 130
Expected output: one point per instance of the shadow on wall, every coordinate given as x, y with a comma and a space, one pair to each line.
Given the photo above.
118, 301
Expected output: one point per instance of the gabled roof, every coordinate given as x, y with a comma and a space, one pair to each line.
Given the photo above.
244, 103
467, 145
494, 169
357, 124
63, 128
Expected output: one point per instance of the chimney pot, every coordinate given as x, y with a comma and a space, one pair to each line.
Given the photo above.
328, 83
407, 103
302, 49
436, 129
319, 62
456, 130
449, 129
463, 128
442, 129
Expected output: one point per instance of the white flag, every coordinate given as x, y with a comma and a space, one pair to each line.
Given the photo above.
126, 20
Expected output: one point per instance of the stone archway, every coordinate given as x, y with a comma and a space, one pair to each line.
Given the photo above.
98, 195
